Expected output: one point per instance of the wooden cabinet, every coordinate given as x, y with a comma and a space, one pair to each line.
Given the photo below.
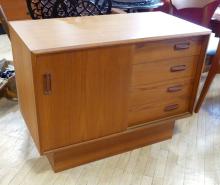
92, 87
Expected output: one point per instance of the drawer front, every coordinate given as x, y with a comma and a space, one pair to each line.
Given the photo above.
159, 71
146, 94
152, 51
154, 111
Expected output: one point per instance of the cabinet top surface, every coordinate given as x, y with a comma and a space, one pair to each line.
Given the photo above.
51, 35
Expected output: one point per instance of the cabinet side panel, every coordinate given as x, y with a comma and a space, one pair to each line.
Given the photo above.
25, 87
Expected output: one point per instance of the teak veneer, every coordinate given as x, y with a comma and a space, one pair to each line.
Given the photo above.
92, 87
15, 9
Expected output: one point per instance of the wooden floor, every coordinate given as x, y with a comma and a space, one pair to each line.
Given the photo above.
191, 157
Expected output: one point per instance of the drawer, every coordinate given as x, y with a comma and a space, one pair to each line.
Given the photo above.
159, 71
145, 94
154, 111
152, 51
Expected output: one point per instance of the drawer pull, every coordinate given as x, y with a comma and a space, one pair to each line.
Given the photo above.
182, 46
175, 88
178, 68
171, 107
47, 84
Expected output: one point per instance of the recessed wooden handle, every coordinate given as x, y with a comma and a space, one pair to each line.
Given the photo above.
181, 46
47, 84
178, 68
171, 107
175, 88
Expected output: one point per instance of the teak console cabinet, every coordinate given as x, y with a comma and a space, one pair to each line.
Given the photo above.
92, 87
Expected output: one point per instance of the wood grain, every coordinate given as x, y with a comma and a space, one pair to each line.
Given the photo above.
148, 51
190, 157
158, 71
94, 31
80, 88
24, 61
156, 92
15, 9
147, 112
89, 95
89, 151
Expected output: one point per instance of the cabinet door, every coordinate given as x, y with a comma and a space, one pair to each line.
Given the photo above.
82, 95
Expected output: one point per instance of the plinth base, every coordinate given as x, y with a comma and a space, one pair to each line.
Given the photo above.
75, 155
